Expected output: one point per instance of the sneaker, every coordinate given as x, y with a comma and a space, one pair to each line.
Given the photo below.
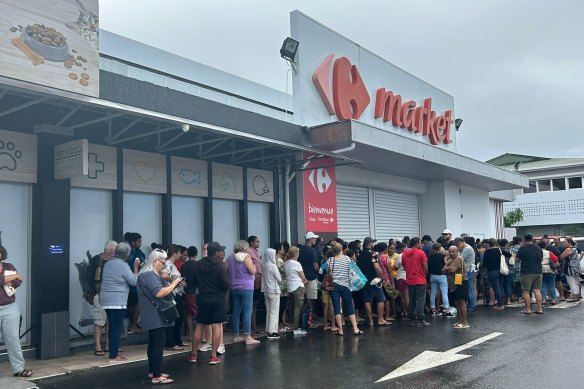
221, 349
413, 323
205, 347
273, 336
192, 358
300, 332
214, 361
423, 323
447, 314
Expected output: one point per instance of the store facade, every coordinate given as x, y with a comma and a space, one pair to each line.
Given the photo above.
183, 153
409, 179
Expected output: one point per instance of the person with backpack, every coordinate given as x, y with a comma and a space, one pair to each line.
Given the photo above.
94, 273
548, 265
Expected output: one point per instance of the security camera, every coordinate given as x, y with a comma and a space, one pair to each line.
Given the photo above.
185, 127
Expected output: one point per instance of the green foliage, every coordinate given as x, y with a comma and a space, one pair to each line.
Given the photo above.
513, 217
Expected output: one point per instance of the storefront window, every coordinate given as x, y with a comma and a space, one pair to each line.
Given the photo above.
258, 223
559, 184
226, 223
91, 228
187, 220
15, 208
532, 188
544, 185
575, 182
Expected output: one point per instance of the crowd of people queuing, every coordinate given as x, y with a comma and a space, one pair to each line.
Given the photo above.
178, 298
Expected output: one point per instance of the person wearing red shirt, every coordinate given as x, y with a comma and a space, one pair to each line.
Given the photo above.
416, 265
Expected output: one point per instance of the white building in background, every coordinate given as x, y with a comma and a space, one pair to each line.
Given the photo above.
554, 202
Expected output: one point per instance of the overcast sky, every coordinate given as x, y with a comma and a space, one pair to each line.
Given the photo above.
515, 68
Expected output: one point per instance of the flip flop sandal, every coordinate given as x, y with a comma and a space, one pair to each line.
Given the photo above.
163, 375
384, 324
358, 333
99, 353
163, 381
25, 373
539, 312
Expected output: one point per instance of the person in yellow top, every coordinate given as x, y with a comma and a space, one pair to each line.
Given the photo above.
392, 257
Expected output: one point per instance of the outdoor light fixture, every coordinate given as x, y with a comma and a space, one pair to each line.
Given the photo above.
185, 127
289, 49
457, 123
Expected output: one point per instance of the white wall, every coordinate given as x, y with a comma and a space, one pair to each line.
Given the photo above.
187, 221
475, 210
432, 213
91, 228
15, 225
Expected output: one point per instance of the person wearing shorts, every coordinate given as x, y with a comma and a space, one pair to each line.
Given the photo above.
213, 283
531, 256
454, 266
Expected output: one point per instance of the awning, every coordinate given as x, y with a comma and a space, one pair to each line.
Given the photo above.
31, 108
391, 153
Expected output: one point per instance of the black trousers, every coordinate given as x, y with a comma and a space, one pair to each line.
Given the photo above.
174, 333
156, 340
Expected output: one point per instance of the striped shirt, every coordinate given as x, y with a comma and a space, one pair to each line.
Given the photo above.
340, 269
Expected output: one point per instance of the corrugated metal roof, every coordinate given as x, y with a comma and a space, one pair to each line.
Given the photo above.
546, 164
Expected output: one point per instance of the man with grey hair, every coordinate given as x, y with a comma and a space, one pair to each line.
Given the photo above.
94, 273
468, 255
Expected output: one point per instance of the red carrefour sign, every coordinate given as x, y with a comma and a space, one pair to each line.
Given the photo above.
320, 196
349, 99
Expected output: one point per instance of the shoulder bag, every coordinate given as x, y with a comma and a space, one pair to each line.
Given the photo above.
167, 311
327, 281
458, 276
503, 269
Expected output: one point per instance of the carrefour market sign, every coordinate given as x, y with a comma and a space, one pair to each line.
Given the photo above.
347, 98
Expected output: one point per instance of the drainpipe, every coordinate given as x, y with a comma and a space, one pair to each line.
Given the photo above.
287, 200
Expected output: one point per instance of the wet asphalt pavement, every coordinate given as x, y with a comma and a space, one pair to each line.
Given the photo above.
534, 351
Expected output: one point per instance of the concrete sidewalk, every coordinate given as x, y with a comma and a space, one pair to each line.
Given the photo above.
82, 359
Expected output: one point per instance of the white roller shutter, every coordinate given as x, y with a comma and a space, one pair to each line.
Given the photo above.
353, 212
396, 215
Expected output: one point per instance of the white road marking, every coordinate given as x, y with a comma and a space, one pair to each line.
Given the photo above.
430, 359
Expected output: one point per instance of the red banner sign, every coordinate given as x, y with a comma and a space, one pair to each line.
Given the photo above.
320, 196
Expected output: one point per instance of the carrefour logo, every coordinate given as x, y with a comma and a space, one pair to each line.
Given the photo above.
320, 180
348, 98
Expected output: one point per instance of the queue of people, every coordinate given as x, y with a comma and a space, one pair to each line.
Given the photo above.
178, 298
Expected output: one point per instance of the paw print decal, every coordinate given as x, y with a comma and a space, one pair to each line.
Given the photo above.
9, 156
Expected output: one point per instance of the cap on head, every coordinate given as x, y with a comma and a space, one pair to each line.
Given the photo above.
447, 231
310, 235
214, 247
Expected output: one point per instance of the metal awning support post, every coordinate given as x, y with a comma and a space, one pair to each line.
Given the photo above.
170, 140
68, 116
90, 122
123, 130
159, 131
23, 106
206, 153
